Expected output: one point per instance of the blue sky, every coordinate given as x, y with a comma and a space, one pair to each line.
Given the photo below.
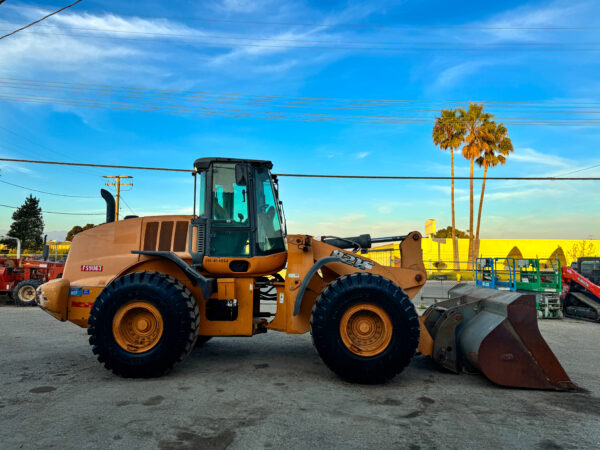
136, 46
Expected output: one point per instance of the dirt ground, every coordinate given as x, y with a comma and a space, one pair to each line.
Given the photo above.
273, 391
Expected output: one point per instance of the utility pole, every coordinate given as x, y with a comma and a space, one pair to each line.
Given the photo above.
117, 183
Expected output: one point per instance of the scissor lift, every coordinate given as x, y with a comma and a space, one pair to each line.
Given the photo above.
541, 277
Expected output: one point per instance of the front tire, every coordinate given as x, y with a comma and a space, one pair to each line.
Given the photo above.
365, 328
24, 293
143, 324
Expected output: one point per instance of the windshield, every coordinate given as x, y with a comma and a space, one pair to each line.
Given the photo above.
589, 267
269, 237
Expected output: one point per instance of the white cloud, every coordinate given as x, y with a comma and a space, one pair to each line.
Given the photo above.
58, 46
10, 167
516, 26
352, 218
459, 73
447, 189
555, 13
531, 156
105, 23
7, 167
26, 52
362, 155
241, 6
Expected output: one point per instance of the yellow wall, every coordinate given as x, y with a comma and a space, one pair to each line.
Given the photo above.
494, 248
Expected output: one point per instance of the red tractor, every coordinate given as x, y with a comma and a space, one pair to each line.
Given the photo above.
581, 289
19, 278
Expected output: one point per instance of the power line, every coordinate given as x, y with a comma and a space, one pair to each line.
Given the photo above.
247, 99
325, 25
110, 166
171, 92
45, 192
298, 175
205, 43
379, 177
39, 20
128, 207
42, 146
55, 212
580, 170
367, 45
278, 115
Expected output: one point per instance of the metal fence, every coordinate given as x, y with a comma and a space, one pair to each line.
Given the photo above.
37, 256
384, 257
436, 269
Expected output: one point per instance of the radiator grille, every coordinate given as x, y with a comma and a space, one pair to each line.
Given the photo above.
181, 229
166, 233
201, 237
150, 236
166, 236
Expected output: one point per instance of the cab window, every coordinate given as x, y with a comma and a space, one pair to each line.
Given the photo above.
269, 236
229, 203
231, 226
201, 193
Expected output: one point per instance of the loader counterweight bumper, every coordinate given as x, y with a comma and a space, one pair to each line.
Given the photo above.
496, 333
53, 297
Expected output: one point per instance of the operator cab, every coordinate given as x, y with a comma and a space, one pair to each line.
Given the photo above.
237, 213
589, 267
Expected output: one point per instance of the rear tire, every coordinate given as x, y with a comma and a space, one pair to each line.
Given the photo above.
24, 293
365, 328
143, 324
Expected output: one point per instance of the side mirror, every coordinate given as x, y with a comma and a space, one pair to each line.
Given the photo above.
240, 175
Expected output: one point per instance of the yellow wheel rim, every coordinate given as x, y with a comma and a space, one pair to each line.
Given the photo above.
27, 293
366, 329
137, 327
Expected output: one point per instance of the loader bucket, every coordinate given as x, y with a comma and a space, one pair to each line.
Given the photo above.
496, 333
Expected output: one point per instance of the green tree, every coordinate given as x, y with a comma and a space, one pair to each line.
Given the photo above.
77, 229
476, 142
448, 134
499, 147
445, 233
28, 225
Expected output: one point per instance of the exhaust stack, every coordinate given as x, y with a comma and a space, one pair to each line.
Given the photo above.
110, 205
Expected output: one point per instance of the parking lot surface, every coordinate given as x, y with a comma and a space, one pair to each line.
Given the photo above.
273, 391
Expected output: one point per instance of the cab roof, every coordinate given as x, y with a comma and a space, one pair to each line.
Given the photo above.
204, 163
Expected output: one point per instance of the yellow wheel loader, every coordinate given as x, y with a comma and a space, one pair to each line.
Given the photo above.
151, 288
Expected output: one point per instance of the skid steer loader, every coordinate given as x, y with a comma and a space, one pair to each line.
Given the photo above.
150, 289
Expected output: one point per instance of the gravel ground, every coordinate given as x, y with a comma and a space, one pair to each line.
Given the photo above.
273, 391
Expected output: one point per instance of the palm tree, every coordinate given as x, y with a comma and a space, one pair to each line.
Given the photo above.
476, 142
448, 133
499, 147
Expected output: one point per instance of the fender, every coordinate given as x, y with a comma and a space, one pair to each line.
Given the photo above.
336, 256
207, 285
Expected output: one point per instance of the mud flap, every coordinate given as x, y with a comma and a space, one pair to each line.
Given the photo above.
495, 333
